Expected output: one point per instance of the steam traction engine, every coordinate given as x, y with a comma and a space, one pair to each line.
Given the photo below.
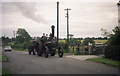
46, 46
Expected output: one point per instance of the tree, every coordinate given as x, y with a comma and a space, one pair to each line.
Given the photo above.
115, 38
22, 39
5, 40
22, 36
87, 40
105, 33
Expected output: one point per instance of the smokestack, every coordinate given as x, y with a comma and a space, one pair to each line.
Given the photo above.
53, 27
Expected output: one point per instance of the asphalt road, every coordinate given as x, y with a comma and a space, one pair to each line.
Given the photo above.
20, 62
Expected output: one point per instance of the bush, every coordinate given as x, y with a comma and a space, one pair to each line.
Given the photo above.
87, 40
61, 44
66, 51
21, 45
112, 52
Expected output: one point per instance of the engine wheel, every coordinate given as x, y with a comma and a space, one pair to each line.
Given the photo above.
60, 52
53, 51
46, 52
52, 54
33, 51
39, 50
30, 52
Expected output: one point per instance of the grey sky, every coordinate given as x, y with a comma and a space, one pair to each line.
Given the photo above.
87, 17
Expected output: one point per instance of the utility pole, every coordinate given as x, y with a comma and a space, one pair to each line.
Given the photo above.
67, 15
14, 34
57, 22
118, 4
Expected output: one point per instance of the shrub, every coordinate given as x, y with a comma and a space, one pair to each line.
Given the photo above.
112, 52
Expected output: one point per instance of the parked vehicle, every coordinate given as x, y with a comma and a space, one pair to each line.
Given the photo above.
8, 48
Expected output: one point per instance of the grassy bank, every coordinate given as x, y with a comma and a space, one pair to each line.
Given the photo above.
106, 61
2, 58
19, 49
6, 72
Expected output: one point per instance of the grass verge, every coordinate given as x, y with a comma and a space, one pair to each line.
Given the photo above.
2, 58
6, 72
19, 49
106, 61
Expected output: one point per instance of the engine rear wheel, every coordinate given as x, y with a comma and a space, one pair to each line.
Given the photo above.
60, 52
33, 51
39, 50
52, 54
46, 52
53, 51
30, 52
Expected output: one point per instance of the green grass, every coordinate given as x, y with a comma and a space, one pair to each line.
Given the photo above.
6, 72
106, 61
19, 49
2, 58
0, 52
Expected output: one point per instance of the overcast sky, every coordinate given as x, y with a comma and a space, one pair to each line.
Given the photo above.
87, 17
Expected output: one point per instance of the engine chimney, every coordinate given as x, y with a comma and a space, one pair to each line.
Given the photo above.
53, 27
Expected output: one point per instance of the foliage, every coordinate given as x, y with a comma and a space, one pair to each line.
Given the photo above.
61, 44
22, 39
106, 61
65, 51
87, 40
5, 41
112, 49
2, 58
20, 49
112, 52
115, 38
6, 72
105, 33
22, 36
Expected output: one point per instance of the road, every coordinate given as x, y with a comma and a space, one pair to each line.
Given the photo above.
20, 62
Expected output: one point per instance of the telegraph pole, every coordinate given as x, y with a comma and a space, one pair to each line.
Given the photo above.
14, 34
67, 15
118, 4
57, 22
